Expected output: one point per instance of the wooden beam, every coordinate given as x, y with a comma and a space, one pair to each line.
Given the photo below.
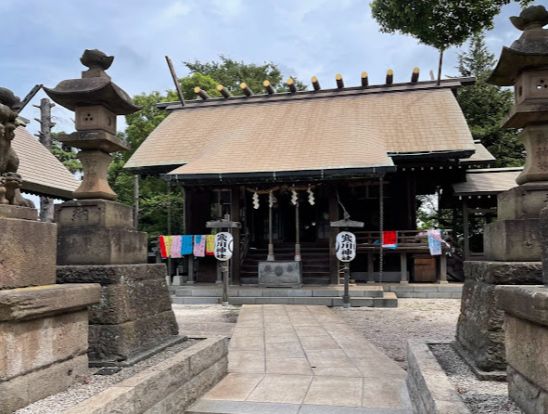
291, 85
246, 89
201, 93
223, 91
333, 216
365, 79
268, 87
235, 216
415, 75
466, 230
339, 80
389, 77
315, 83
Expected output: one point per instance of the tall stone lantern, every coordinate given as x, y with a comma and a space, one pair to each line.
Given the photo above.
525, 65
97, 240
513, 244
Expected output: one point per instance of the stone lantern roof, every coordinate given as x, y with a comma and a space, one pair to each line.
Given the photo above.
529, 51
94, 88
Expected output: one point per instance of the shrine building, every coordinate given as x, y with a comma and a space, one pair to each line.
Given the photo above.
287, 164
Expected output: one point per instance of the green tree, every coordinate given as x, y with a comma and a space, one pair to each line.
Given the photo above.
485, 106
440, 24
65, 154
230, 73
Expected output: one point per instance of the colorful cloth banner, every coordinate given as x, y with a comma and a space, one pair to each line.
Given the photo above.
162, 245
390, 239
210, 245
434, 242
199, 246
186, 245
176, 247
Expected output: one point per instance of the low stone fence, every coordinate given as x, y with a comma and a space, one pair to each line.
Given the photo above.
168, 387
430, 390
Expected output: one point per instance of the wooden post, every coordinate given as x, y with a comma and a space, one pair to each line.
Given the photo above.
370, 268
333, 216
235, 196
443, 268
297, 234
136, 201
291, 85
466, 230
44, 136
403, 268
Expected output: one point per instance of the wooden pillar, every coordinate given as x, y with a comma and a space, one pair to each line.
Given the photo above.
187, 201
235, 216
403, 268
370, 268
443, 268
466, 230
333, 216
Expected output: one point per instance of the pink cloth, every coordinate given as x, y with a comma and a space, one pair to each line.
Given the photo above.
176, 247
199, 246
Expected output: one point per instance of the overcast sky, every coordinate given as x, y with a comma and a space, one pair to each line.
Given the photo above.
43, 40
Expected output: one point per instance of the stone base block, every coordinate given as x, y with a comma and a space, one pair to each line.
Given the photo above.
18, 212
100, 246
513, 240
119, 342
23, 390
527, 395
480, 329
526, 325
522, 202
94, 213
134, 313
27, 253
42, 326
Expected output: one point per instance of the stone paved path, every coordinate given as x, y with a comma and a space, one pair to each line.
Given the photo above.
297, 359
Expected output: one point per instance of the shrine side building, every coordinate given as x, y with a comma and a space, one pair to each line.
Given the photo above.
285, 165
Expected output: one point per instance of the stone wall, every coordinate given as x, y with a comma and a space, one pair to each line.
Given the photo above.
480, 329
166, 388
430, 390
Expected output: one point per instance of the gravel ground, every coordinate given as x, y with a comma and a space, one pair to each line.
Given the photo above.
390, 328
481, 397
93, 384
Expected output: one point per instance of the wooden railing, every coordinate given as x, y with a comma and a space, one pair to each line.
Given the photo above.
411, 240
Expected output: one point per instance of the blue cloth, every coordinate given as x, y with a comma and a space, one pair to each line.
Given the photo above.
186, 245
434, 242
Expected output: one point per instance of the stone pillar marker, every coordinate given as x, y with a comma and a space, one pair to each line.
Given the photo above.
97, 239
513, 246
43, 325
526, 307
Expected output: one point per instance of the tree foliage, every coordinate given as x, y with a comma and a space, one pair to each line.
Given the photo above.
485, 105
231, 73
440, 24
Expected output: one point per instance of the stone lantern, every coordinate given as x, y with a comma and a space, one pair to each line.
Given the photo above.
96, 101
513, 243
97, 239
525, 65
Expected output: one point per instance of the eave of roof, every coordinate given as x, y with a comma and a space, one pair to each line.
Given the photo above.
487, 181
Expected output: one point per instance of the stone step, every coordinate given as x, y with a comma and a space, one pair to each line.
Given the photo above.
216, 291
388, 300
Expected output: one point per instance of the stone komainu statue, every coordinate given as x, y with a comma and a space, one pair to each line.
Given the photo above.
10, 181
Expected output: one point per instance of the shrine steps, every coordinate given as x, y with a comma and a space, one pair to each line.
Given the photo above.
369, 296
315, 262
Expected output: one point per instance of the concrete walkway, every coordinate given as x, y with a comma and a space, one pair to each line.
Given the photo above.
298, 359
